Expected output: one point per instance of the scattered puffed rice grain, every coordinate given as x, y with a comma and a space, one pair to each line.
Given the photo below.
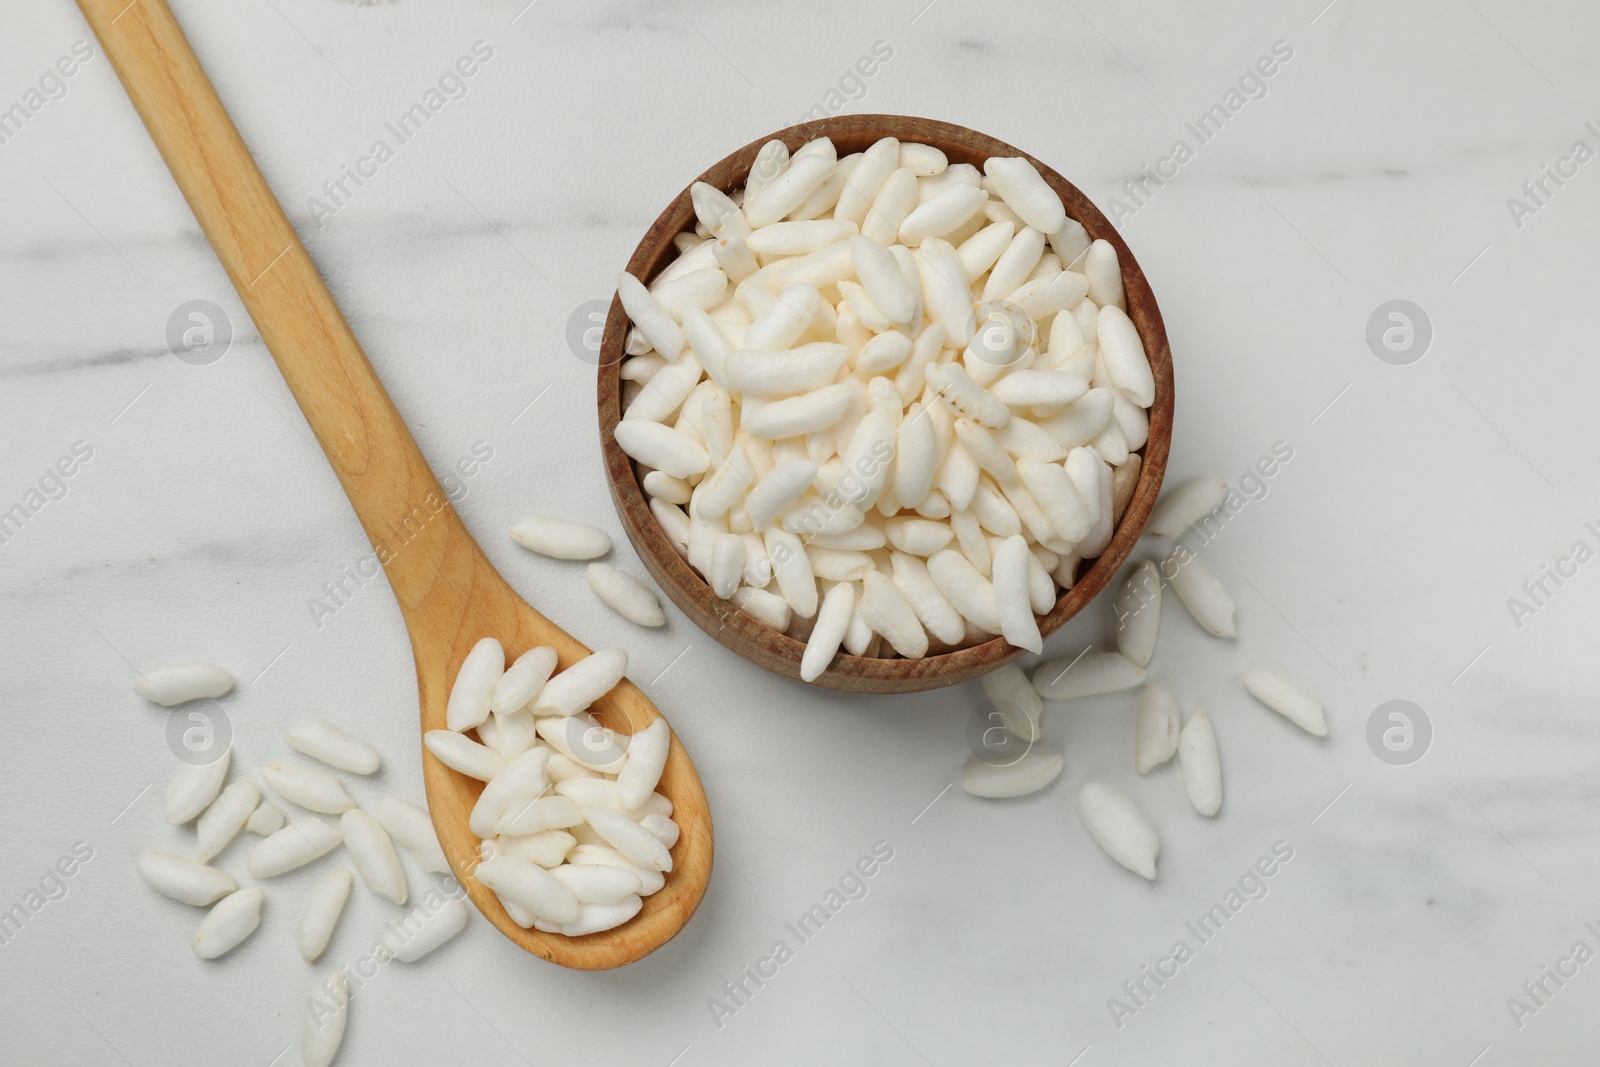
1201, 766
1288, 700
195, 785
221, 822
321, 740
266, 820
176, 683
1186, 505
1088, 674
327, 1013
374, 855
625, 595
1015, 700
1017, 777
1120, 827
412, 827
308, 787
321, 911
430, 932
1138, 613
1155, 731
1200, 592
231, 920
561, 538
296, 845
183, 879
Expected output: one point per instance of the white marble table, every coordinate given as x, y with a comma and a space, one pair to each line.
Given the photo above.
1374, 164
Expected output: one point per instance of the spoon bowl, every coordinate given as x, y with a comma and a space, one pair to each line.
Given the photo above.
449, 592
476, 602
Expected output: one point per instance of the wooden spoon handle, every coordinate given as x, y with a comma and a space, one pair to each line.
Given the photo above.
395, 494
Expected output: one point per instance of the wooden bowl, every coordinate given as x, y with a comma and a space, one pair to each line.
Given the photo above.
755, 641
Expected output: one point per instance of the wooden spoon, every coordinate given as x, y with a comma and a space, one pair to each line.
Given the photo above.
448, 591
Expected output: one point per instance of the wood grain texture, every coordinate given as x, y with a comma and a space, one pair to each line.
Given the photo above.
753, 640
448, 591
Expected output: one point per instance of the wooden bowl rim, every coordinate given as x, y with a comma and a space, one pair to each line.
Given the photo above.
752, 639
